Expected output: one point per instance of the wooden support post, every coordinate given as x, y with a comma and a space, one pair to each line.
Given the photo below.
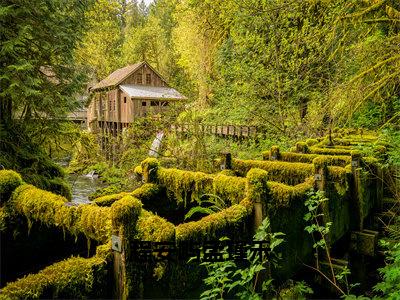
149, 170
257, 191
226, 161
275, 153
357, 195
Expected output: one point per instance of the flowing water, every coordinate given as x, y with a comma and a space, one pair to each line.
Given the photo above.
155, 146
83, 186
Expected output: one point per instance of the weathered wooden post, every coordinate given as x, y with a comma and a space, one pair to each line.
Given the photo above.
226, 161
124, 215
149, 170
257, 192
302, 147
275, 153
357, 196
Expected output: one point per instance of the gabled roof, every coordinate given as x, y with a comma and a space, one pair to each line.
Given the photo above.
120, 75
151, 92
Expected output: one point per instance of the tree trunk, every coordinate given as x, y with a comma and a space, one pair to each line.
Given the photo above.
5, 111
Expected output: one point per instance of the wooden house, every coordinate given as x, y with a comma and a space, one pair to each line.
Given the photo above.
127, 94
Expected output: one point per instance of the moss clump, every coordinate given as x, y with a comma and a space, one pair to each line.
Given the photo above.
215, 225
109, 199
185, 185
230, 188
228, 173
147, 192
334, 160
330, 151
256, 184
72, 278
3, 219
53, 210
125, 212
311, 142
9, 181
302, 147
149, 169
285, 172
151, 227
282, 195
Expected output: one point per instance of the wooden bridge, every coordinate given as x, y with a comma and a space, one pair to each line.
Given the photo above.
275, 188
236, 131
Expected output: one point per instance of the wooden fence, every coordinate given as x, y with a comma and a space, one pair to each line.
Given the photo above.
237, 131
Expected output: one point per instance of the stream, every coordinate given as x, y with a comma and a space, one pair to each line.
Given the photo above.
82, 187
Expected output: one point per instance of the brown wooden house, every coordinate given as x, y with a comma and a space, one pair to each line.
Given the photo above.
127, 94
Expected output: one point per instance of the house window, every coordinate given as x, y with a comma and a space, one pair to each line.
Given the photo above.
148, 79
139, 78
154, 103
164, 103
144, 103
124, 99
115, 104
109, 104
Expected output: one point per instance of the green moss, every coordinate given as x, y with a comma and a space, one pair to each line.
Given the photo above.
228, 173
230, 188
52, 210
72, 278
282, 195
311, 142
256, 184
285, 172
330, 151
336, 160
3, 219
125, 212
215, 225
151, 227
147, 192
109, 199
9, 181
185, 185
302, 147
149, 169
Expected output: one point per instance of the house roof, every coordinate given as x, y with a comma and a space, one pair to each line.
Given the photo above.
151, 92
120, 75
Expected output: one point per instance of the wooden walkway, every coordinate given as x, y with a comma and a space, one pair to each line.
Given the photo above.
237, 131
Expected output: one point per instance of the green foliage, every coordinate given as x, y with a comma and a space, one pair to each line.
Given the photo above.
226, 277
74, 277
389, 287
9, 181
